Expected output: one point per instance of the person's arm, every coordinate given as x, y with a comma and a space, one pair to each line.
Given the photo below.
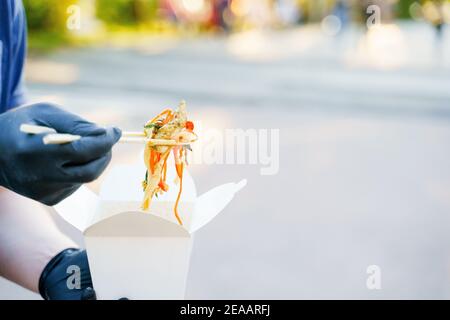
36, 255
29, 239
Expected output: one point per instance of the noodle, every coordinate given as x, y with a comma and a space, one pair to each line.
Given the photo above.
170, 125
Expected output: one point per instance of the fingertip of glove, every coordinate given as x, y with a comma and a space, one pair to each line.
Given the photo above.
88, 294
117, 133
113, 134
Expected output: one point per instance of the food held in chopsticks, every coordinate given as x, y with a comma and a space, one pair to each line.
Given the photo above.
171, 126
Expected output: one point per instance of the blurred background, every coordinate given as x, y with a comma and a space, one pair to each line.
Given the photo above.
362, 100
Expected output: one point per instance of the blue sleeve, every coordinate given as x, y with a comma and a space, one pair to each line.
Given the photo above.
19, 52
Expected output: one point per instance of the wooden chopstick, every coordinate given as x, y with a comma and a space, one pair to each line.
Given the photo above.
33, 129
133, 134
61, 138
51, 137
152, 142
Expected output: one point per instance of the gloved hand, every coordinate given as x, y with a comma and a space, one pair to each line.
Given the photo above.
67, 277
50, 173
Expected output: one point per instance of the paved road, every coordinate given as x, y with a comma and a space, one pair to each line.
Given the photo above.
364, 134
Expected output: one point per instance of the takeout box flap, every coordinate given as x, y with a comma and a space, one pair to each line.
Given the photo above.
135, 224
212, 202
79, 208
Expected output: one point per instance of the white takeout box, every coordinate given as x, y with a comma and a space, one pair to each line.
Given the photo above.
136, 254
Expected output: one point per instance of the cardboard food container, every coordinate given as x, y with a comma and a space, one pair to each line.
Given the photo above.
137, 254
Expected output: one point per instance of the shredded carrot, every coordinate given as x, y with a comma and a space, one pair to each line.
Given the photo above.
152, 161
166, 111
162, 182
179, 168
175, 209
168, 118
163, 185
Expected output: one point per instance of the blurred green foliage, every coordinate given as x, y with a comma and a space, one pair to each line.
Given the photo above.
403, 8
46, 21
47, 15
47, 18
126, 12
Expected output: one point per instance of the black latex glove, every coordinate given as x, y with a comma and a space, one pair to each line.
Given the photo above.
50, 173
67, 277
